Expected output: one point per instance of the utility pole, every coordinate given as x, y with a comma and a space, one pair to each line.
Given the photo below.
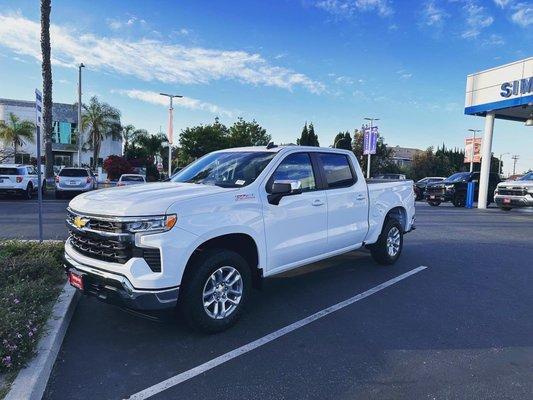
80, 66
474, 131
515, 159
369, 138
500, 170
170, 129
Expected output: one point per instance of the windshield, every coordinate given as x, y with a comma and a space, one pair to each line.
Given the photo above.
131, 178
227, 169
460, 176
73, 173
527, 177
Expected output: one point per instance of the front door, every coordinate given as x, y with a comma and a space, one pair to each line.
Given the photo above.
296, 228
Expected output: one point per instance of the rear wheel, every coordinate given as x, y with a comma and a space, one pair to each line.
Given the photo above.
505, 208
215, 290
388, 248
28, 193
434, 203
459, 201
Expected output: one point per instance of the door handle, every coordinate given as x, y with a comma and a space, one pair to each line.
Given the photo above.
360, 197
317, 203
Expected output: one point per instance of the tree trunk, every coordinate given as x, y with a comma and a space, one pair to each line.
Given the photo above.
15, 153
47, 86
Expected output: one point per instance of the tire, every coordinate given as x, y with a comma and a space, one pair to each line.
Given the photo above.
388, 248
505, 208
434, 203
58, 195
459, 201
209, 268
28, 193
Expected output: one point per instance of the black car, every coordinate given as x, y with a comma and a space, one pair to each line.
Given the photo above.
420, 186
454, 187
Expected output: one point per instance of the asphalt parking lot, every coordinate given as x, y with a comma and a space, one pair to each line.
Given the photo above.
460, 328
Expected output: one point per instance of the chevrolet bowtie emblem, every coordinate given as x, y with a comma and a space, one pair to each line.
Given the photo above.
80, 222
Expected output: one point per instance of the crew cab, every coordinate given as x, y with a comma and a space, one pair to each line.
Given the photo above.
20, 179
454, 188
233, 217
514, 194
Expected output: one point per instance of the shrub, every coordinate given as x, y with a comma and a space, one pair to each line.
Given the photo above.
116, 166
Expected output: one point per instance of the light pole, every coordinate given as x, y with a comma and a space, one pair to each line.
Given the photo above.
80, 66
500, 171
369, 138
474, 131
170, 129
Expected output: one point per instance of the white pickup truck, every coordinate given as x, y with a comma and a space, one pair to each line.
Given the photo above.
225, 222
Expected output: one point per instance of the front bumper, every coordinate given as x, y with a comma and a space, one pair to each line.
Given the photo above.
513, 201
439, 196
117, 289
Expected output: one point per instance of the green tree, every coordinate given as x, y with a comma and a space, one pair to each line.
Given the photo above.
243, 133
202, 139
129, 133
308, 136
102, 120
46, 68
17, 132
343, 140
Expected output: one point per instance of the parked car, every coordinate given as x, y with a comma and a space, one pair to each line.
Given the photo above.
513, 194
420, 186
74, 180
454, 188
130, 179
20, 179
227, 221
391, 177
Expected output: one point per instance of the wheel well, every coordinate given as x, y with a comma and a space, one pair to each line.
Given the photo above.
399, 214
241, 244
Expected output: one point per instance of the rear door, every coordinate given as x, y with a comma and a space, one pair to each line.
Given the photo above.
8, 177
296, 228
347, 201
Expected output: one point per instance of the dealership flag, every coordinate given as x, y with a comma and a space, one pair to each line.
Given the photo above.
370, 138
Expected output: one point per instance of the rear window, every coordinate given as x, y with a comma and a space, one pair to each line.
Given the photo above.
132, 179
337, 169
9, 171
73, 173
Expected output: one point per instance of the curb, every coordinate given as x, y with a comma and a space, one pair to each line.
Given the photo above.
31, 381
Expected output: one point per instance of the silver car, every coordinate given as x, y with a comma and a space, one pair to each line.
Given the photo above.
130, 179
74, 180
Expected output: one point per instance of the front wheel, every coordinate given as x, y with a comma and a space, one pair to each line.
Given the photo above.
215, 290
505, 208
388, 248
28, 193
459, 201
434, 203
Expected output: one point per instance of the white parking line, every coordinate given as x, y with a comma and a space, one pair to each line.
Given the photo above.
200, 369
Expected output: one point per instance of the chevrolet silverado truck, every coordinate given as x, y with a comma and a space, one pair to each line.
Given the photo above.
454, 188
230, 219
515, 194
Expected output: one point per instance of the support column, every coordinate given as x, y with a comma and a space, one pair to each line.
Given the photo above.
486, 157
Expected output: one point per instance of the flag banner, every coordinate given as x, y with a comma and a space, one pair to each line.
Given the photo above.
370, 140
473, 149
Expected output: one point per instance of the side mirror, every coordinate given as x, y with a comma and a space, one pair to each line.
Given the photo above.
281, 189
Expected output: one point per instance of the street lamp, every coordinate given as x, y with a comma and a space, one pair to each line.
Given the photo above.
500, 171
80, 66
170, 128
474, 131
368, 160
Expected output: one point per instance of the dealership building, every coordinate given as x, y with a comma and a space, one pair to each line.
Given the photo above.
64, 135
504, 92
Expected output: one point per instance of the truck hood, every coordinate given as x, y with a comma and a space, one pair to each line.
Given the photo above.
139, 200
516, 184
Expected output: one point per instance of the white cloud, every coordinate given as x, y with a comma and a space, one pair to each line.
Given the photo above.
185, 102
523, 14
149, 59
502, 3
432, 15
476, 20
404, 74
494, 40
347, 8
116, 24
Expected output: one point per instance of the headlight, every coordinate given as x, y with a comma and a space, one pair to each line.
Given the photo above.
152, 224
449, 187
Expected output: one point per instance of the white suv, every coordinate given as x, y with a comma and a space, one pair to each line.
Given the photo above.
20, 179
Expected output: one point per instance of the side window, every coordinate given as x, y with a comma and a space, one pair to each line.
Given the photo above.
295, 167
337, 170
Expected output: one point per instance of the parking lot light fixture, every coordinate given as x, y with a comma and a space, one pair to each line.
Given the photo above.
500, 171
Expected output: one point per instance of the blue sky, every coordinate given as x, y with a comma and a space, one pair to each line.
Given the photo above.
282, 62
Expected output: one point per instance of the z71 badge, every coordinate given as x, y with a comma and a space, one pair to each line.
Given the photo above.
240, 197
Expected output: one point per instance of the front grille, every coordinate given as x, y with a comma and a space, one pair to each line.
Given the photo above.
435, 190
98, 224
101, 248
512, 191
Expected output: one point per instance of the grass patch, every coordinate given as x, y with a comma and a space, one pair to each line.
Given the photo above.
31, 277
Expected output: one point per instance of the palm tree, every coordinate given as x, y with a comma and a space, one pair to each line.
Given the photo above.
47, 86
17, 132
129, 133
101, 120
